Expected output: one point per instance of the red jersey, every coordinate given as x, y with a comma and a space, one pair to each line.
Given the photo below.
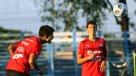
19, 60
86, 47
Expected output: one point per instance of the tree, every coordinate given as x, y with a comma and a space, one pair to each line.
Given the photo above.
68, 12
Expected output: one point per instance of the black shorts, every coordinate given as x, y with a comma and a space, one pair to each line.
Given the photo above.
15, 73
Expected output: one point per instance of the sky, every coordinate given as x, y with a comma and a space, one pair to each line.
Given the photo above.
19, 14
23, 15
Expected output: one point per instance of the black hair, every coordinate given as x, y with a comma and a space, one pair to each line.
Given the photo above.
91, 22
45, 30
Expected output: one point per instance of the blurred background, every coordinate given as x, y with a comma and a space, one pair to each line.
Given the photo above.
20, 19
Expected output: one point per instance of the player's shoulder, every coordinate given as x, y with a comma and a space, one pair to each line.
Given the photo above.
84, 40
101, 39
31, 39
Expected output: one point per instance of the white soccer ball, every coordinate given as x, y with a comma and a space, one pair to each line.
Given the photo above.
120, 9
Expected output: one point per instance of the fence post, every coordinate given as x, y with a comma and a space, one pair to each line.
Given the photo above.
107, 63
99, 33
74, 54
134, 61
126, 45
49, 48
21, 35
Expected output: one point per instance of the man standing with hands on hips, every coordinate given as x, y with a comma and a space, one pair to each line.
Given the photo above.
92, 52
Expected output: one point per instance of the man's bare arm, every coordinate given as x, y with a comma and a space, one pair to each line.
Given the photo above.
81, 60
33, 63
11, 48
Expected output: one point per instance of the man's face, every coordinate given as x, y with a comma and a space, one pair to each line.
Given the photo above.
91, 29
48, 39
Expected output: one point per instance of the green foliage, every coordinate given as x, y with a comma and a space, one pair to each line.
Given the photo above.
10, 31
7, 31
109, 35
68, 12
2, 30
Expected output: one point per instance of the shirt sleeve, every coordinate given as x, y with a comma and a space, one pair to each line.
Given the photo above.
80, 49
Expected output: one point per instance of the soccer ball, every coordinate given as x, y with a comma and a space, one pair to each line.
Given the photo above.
120, 9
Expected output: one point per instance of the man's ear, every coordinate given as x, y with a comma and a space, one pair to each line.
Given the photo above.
42, 37
45, 36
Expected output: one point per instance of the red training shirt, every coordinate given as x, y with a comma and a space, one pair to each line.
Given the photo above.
19, 60
86, 47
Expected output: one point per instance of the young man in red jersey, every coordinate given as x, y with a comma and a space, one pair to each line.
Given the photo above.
92, 53
25, 53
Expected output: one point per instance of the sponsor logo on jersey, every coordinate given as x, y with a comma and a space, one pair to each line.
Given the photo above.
89, 52
94, 52
20, 49
17, 56
97, 57
25, 43
87, 45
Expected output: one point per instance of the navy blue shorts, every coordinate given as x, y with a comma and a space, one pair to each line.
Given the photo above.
15, 73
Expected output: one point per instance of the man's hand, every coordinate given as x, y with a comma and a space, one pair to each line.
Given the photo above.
103, 66
91, 56
33, 63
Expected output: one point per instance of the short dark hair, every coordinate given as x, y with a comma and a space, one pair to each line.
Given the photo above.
91, 22
45, 30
